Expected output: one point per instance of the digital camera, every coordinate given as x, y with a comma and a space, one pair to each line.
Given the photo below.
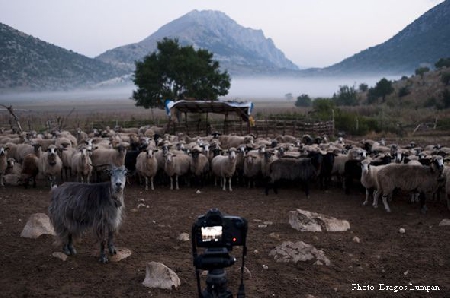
216, 230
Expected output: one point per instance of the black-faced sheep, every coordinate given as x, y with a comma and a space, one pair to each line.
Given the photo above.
76, 207
293, 169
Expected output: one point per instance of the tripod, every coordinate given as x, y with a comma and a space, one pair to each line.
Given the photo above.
215, 260
216, 285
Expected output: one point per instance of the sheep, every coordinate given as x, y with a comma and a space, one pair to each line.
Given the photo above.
75, 207
13, 167
423, 179
102, 158
3, 163
66, 158
369, 181
81, 165
30, 167
177, 165
228, 142
200, 164
224, 167
50, 165
252, 165
147, 166
302, 169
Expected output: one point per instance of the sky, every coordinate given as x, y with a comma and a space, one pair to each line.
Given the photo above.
311, 33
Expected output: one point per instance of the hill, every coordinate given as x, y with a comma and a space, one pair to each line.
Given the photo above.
422, 43
28, 63
239, 50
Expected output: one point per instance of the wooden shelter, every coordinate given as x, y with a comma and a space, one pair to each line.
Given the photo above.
175, 109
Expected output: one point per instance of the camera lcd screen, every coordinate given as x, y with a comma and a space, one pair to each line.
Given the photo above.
211, 234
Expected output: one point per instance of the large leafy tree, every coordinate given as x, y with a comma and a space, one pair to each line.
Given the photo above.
382, 88
177, 72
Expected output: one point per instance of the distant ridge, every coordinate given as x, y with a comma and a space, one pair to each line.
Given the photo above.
239, 50
422, 43
28, 63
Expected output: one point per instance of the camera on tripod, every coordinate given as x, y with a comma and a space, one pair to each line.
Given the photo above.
218, 234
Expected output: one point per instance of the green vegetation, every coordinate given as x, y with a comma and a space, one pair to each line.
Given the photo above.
443, 62
177, 72
303, 101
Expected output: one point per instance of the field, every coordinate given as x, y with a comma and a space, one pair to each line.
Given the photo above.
380, 260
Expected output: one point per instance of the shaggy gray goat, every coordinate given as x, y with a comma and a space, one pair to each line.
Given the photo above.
76, 207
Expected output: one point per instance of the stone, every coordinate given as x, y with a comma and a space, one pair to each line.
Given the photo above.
37, 225
303, 220
60, 255
183, 237
158, 275
445, 222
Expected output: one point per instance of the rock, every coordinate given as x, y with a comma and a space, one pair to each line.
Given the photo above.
356, 239
158, 275
122, 253
60, 255
37, 224
303, 220
183, 237
445, 222
298, 251
402, 231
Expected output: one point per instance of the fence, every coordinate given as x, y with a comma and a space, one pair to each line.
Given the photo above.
262, 128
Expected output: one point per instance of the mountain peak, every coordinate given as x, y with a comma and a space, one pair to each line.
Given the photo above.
238, 49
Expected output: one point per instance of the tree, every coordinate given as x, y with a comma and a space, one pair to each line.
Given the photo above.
346, 96
421, 71
177, 72
445, 78
382, 88
363, 87
303, 101
443, 62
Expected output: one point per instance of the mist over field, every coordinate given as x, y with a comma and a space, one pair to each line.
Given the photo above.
241, 89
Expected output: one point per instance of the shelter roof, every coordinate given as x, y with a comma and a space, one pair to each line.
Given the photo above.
217, 107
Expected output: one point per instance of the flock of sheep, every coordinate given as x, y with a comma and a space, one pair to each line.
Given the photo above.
87, 200
155, 158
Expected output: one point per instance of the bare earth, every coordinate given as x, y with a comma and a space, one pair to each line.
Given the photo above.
383, 257
420, 256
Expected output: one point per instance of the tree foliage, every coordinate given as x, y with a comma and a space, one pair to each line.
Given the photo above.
421, 71
382, 88
303, 101
178, 72
346, 96
445, 78
443, 62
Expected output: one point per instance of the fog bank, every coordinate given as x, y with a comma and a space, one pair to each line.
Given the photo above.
241, 88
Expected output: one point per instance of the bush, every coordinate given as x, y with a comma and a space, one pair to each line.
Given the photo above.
403, 91
303, 101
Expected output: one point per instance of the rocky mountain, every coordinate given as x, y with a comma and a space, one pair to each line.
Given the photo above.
422, 43
27, 63
239, 50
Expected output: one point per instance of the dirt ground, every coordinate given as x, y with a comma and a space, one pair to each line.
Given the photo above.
384, 257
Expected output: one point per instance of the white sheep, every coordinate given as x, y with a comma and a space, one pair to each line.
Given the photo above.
177, 164
423, 179
224, 166
50, 164
81, 165
103, 158
369, 180
147, 166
